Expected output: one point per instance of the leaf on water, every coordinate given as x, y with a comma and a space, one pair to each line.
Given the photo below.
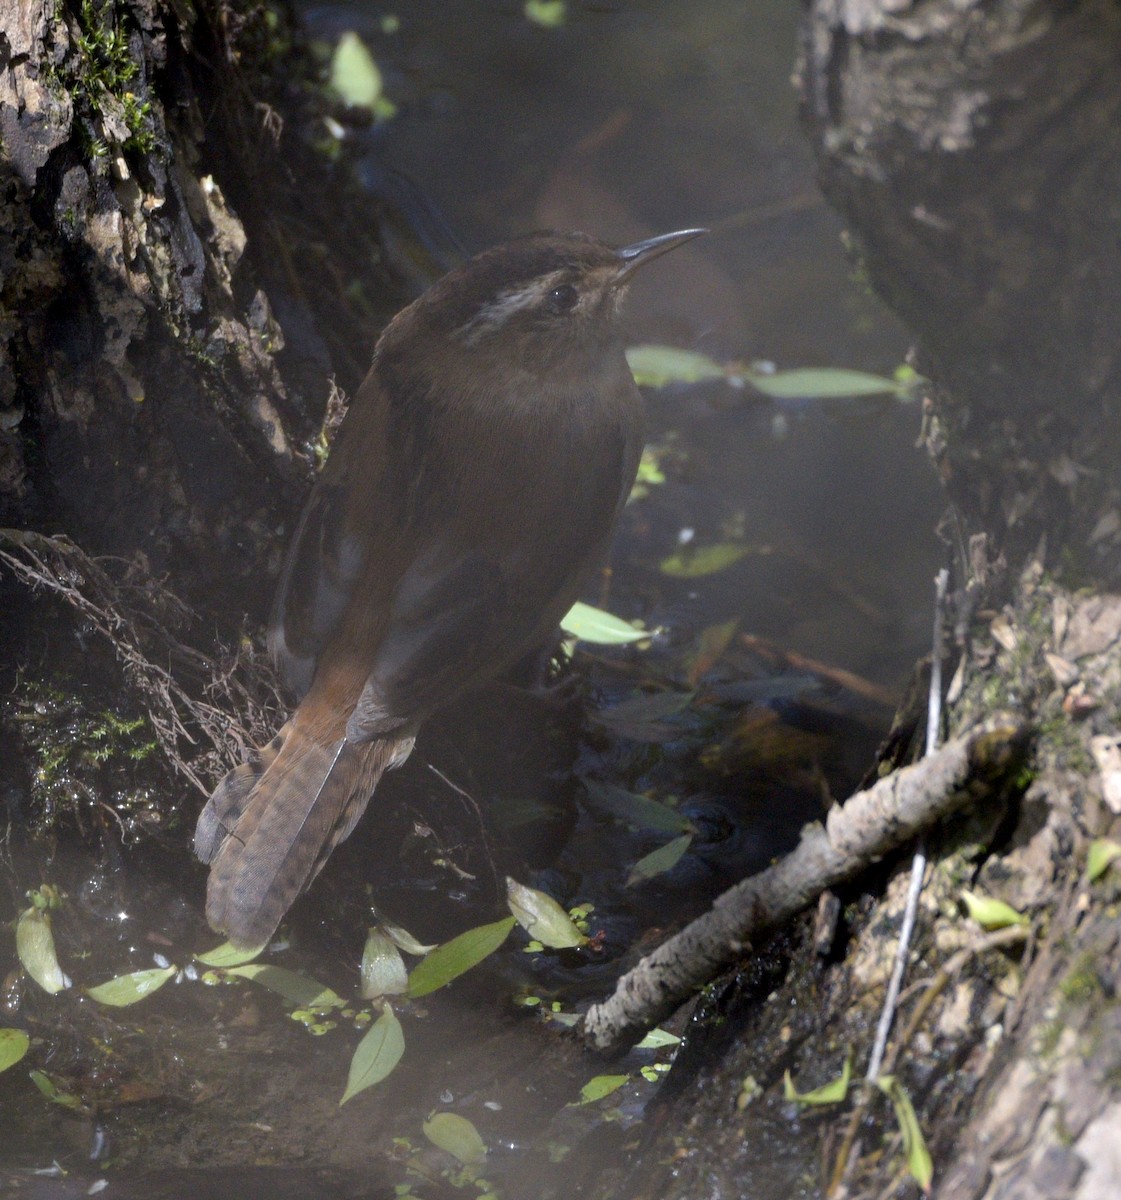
376, 1055
659, 366
13, 1046
296, 989
456, 1135
656, 1039
1103, 851
54, 1093
588, 624
383, 969
823, 383
550, 14
600, 1086
657, 862
714, 640
403, 939
914, 1144
452, 959
542, 917
829, 1093
36, 950
128, 989
635, 809
991, 914
228, 955
691, 563
354, 75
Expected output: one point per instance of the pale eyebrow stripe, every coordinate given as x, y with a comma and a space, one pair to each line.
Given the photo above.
495, 314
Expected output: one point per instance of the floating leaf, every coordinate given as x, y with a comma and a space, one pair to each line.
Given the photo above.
657, 862
13, 1046
659, 366
542, 917
822, 383
296, 989
828, 1093
991, 914
914, 1144
383, 969
1103, 851
635, 809
588, 624
550, 14
36, 950
403, 939
452, 959
600, 1086
128, 989
656, 1039
354, 75
691, 562
228, 955
54, 1093
376, 1055
457, 1136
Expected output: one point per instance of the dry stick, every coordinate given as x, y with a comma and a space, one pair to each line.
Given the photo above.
918, 863
849, 1152
866, 827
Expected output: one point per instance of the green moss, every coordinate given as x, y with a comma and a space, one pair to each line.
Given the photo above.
79, 756
1082, 984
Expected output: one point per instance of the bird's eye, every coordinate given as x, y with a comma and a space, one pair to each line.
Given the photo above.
562, 299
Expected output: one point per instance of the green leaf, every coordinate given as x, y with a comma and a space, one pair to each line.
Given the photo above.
13, 1046
354, 75
128, 989
914, 1145
600, 1086
452, 959
457, 1136
656, 1039
296, 989
403, 939
991, 914
657, 862
1102, 853
36, 950
228, 955
589, 624
828, 1093
54, 1093
690, 562
822, 383
658, 366
542, 917
376, 1055
635, 809
383, 969
550, 14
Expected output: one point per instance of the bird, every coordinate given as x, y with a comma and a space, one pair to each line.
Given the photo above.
472, 488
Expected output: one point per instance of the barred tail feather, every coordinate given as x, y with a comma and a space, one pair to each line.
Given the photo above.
280, 825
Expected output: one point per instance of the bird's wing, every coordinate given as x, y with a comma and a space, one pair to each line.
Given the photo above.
355, 505
477, 597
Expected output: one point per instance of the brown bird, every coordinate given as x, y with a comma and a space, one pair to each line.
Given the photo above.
472, 487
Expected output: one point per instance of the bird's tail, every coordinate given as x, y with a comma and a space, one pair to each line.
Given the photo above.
271, 823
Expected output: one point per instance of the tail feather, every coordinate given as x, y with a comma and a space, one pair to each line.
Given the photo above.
281, 826
228, 800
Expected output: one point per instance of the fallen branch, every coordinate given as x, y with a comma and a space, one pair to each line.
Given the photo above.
867, 826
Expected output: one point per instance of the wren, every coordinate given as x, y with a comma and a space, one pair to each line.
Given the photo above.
472, 488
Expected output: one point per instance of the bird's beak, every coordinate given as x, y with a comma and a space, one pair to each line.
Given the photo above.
638, 253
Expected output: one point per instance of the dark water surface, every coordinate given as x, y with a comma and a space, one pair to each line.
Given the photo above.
628, 120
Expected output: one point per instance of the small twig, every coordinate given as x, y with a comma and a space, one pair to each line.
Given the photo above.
870, 824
